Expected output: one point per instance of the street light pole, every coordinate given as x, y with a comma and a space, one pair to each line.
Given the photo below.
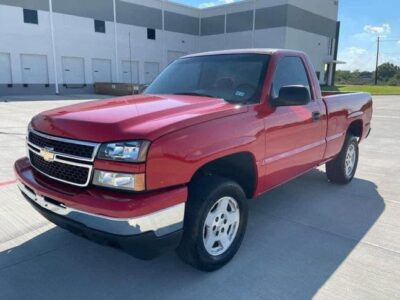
377, 59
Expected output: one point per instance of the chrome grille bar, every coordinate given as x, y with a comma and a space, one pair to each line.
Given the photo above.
63, 158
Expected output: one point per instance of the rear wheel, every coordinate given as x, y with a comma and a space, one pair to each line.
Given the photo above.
215, 223
343, 168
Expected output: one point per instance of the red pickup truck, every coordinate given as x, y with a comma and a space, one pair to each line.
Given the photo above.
174, 167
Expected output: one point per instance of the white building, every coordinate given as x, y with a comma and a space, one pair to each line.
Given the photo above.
79, 42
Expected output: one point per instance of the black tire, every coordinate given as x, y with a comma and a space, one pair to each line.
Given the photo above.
203, 194
336, 169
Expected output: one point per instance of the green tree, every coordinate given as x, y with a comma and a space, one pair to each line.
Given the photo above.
387, 71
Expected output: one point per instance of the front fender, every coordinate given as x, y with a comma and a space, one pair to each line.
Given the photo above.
174, 158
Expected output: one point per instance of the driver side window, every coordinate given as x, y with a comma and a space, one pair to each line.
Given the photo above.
290, 71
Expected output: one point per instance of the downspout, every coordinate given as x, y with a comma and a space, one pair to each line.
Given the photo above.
116, 40
335, 56
254, 24
164, 55
225, 22
53, 45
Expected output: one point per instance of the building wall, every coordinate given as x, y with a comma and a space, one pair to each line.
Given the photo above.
308, 25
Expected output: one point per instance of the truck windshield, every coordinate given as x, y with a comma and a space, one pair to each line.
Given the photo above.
236, 78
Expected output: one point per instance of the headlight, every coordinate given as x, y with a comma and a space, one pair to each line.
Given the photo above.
133, 151
133, 182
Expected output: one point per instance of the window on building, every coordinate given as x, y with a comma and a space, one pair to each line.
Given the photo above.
151, 34
99, 26
290, 71
31, 16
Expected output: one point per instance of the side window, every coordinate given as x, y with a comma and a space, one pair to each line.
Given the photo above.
290, 71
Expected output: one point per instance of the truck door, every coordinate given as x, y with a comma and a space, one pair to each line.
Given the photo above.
295, 137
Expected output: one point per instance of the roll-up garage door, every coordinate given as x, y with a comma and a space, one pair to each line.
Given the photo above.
151, 70
34, 69
101, 70
130, 71
73, 70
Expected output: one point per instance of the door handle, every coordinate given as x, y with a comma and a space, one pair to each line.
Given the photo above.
316, 116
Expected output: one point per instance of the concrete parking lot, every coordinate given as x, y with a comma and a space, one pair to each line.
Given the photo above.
306, 239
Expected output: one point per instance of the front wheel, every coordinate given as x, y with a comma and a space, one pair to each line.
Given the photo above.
215, 223
342, 169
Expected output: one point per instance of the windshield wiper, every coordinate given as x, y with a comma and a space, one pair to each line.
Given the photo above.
194, 94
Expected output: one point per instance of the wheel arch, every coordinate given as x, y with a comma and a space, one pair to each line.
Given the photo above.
356, 128
240, 167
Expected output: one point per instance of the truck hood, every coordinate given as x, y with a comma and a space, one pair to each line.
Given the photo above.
131, 117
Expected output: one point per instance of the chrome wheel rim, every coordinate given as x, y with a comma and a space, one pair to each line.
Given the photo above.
221, 226
350, 160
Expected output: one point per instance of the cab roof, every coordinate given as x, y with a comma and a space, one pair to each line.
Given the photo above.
268, 51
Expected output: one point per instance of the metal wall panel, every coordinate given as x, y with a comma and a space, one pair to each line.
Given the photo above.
213, 25
304, 20
94, 9
30, 4
240, 21
271, 17
180, 23
139, 15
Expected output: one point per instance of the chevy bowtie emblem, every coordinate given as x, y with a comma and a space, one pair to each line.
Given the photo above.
47, 154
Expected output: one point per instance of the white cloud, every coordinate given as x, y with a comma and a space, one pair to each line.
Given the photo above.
215, 3
383, 29
362, 59
357, 51
356, 59
361, 51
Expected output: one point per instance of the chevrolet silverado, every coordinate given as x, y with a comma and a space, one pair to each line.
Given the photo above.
173, 168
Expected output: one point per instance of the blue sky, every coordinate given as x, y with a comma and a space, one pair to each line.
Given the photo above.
362, 21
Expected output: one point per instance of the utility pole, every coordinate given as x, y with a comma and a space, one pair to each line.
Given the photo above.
377, 59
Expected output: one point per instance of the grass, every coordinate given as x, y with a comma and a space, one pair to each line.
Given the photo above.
372, 89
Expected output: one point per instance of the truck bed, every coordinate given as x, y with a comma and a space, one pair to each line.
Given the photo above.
343, 109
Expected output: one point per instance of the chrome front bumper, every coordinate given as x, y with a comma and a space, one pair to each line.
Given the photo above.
161, 222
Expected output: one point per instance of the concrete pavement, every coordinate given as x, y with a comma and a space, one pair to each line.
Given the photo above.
306, 239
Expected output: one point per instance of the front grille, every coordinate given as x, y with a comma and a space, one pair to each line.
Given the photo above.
64, 147
72, 160
64, 172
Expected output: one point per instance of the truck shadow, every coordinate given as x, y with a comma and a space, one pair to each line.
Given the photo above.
297, 237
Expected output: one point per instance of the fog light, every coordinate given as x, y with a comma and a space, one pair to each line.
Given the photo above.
133, 182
